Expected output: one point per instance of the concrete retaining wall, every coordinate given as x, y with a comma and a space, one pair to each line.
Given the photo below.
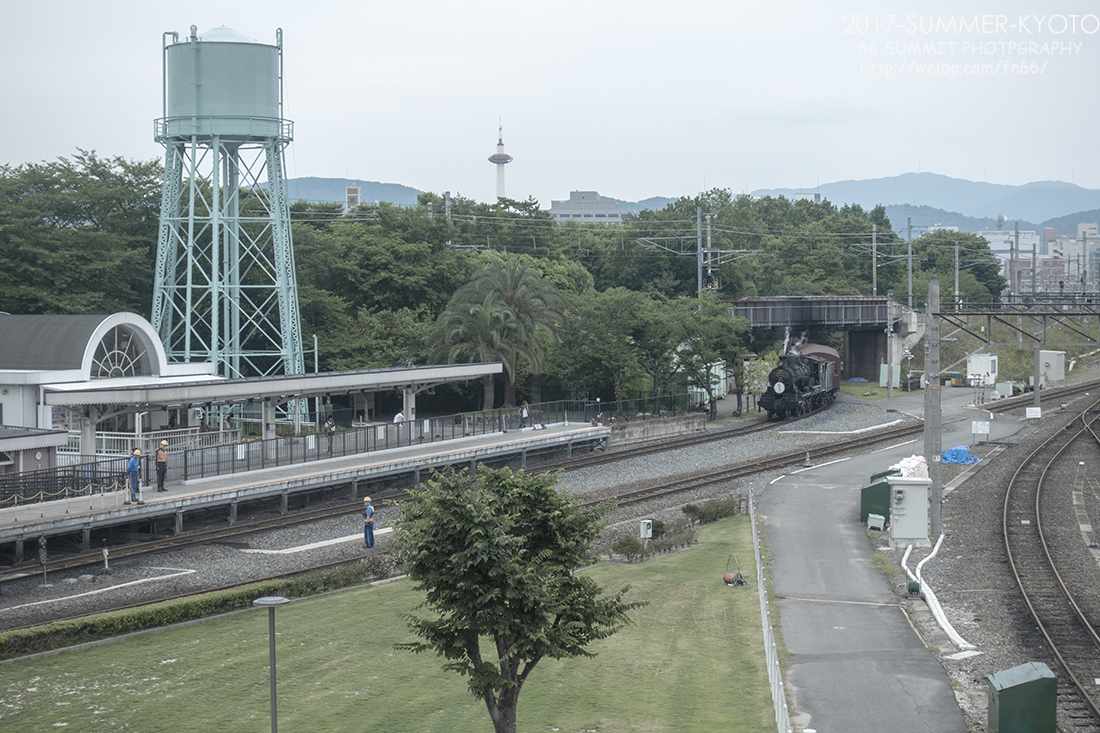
657, 427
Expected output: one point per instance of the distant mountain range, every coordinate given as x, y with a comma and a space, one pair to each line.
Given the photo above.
928, 198
970, 205
320, 190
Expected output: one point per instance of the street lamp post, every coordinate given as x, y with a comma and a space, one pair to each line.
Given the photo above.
271, 603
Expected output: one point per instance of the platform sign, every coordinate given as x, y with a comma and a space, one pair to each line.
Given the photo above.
1034, 413
979, 427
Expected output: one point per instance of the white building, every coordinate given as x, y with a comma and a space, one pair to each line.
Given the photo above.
588, 206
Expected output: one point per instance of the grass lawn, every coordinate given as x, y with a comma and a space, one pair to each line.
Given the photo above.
693, 661
871, 390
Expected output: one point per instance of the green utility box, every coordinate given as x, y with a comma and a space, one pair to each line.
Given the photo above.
1023, 700
874, 498
875, 477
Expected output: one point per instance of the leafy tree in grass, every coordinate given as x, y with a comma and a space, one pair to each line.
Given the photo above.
495, 557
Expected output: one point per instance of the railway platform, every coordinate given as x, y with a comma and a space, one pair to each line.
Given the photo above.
82, 515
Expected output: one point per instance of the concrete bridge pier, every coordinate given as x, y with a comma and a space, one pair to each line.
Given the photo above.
864, 352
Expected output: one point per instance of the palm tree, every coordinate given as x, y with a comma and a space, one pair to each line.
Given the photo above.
474, 331
510, 297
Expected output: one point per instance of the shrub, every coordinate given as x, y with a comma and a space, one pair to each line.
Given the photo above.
629, 546
61, 634
713, 510
676, 535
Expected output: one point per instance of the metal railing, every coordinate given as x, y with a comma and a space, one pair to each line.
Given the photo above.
111, 444
771, 653
224, 453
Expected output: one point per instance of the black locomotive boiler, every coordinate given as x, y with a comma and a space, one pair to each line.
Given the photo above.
803, 381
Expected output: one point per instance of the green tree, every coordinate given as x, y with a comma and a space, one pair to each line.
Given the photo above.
656, 333
980, 278
475, 331
78, 235
711, 335
596, 346
496, 557
507, 294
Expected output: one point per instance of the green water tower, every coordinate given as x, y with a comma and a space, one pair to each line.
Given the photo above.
225, 289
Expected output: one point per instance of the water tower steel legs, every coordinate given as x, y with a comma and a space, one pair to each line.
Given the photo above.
225, 289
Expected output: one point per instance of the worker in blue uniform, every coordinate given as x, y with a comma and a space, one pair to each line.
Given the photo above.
368, 523
133, 470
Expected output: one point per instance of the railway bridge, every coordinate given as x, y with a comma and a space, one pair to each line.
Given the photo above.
864, 320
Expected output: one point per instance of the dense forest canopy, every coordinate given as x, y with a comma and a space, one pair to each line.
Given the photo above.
79, 235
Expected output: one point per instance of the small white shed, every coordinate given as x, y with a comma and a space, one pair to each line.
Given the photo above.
981, 370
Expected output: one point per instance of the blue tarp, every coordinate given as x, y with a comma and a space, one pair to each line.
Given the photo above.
857, 379
958, 455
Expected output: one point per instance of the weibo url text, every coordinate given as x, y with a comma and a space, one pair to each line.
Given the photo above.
973, 48
940, 68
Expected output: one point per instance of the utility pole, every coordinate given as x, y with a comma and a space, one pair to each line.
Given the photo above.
710, 273
1016, 262
909, 239
956, 275
874, 259
699, 251
932, 416
890, 344
1034, 268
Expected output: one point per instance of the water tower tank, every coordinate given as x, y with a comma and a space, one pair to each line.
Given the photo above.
222, 83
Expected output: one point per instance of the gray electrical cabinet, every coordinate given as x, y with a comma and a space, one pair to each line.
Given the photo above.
1023, 699
909, 510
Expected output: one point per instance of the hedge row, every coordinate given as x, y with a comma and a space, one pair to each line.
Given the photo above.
61, 634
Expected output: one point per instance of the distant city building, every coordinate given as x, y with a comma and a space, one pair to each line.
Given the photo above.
353, 196
1001, 243
815, 197
588, 206
500, 159
942, 228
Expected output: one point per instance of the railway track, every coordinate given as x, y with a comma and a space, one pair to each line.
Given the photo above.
662, 490
1049, 594
223, 534
770, 462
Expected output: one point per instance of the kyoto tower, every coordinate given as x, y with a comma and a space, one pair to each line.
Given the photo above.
500, 158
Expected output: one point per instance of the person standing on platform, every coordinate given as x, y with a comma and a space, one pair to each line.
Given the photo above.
368, 523
162, 465
330, 432
523, 412
133, 470
399, 417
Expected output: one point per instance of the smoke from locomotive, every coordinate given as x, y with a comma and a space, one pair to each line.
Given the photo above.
802, 382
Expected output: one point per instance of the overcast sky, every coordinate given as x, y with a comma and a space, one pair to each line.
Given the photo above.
632, 99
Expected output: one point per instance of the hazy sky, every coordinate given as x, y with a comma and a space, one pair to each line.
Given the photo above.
633, 99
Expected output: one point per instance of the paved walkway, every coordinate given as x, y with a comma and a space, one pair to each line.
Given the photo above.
858, 665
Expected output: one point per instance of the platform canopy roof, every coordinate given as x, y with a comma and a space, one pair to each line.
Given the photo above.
118, 359
195, 391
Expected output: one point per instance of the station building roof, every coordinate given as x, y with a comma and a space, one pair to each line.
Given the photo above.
118, 359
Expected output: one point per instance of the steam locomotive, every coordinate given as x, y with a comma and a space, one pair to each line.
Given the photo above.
804, 380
